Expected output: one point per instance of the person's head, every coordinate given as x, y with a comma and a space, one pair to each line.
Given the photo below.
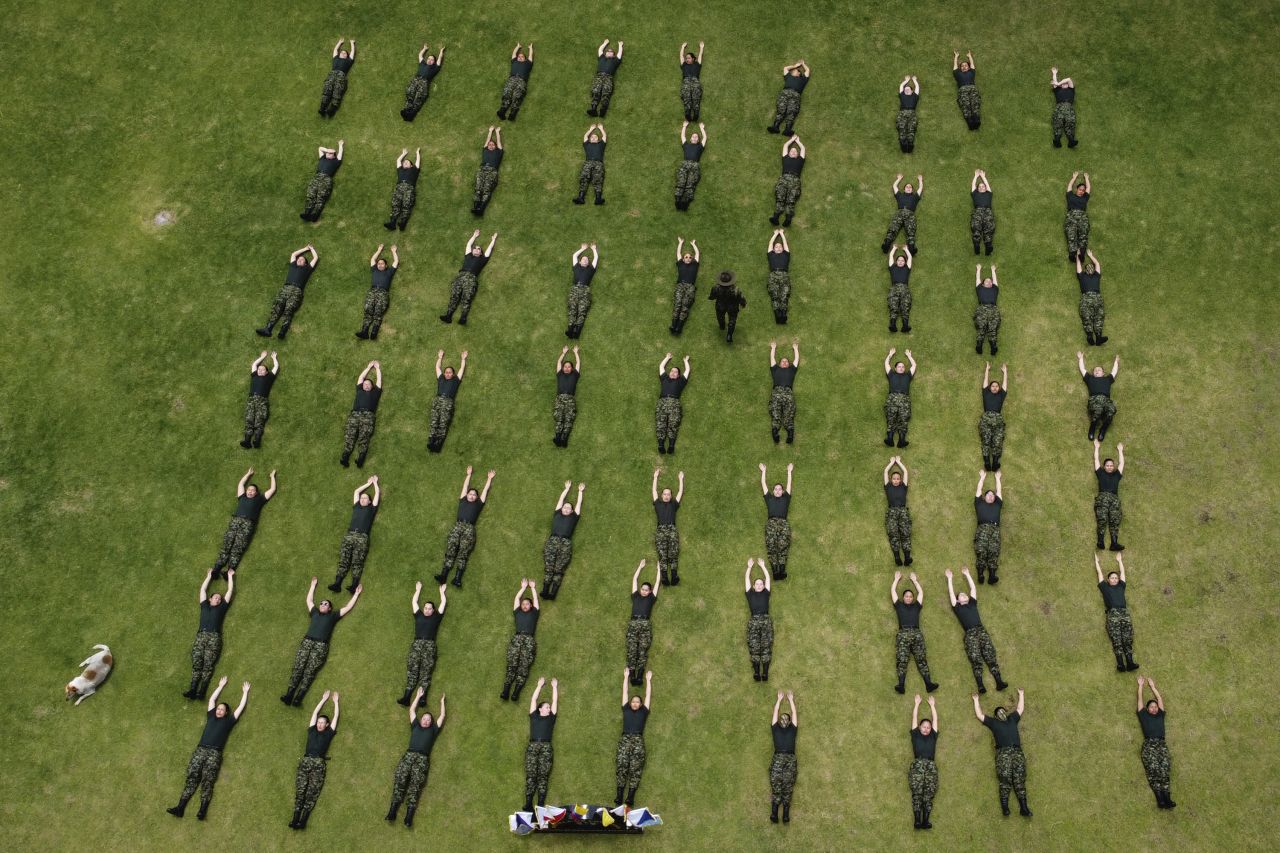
962, 598
784, 363
431, 60
994, 387
1002, 713
215, 599
900, 367
365, 500
448, 373
262, 370
381, 264
367, 385
695, 138
300, 261
908, 189
567, 367
322, 723
251, 490
1109, 465
520, 56
406, 163
646, 590
784, 720
526, 605
490, 145
426, 720
986, 282
777, 490
1089, 268
964, 66
758, 584
900, 261
608, 52
330, 154
428, 609
1080, 188
566, 508
896, 478
907, 90
544, 709
982, 186
793, 151
926, 727
476, 251
726, 278
687, 257
583, 260
989, 497
222, 710
594, 137
1099, 372
472, 495
1113, 578
908, 597
1153, 707
795, 72
689, 59
666, 495
325, 605
778, 247
342, 54
673, 373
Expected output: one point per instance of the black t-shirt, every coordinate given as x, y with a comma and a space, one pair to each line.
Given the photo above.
922, 745
1090, 282
968, 614
1005, 731
521, 68
1112, 596
907, 102
1064, 94
298, 274
217, 729
795, 81
473, 263
784, 740
686, 273
422, 739
407, 174
633, 721
691, 69
211, 617
899, 274
425, 627
562, 525
693, 150
908, 614
469, 511
318, 741
526, 620
758, 602
250, 507
1152, 724
381, 279
779, 260
728, 298
672, 387
987, 295
343, 65
594, 150
446, 387
897, 495
583, 275
906, 200
540, 727
367, 401
1099, 384
777, 506
1108, 482
792, 165
567, 383
666, 510
899, 383
981, 198
260, 386
993, 402
429, 70
783, 377
608, 64
1077, 202
642, 605
988, 513
491, 157
362, 517
964, 78
321, 627
328, 166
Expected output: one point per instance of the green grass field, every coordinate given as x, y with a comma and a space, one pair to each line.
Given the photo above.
128, 346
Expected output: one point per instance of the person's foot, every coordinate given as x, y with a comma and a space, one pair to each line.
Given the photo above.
773, 814
403, 225
287, 698
336, 586
581, 199
189, 694
978, 348
246, 443
1002, 685
990, 248
1072, 142
1057, 142
906, 326
599, 198
457, 581
446, 318
390, 225
178, 810
906, 557
787, 220
298, 697
1100, 340
888, 439
591, 111
203, 813
897, 557
773, 128
1116, 546
1130, 664
791, 436
363, 334
391, 812
297, 816
902, 440
776, 437
893, 325
462, 319
1093, 428
994, 349
264, 332
912, 248
786, 813
408, 815
1023, 809
930, 686
774, 219
900, 687
257, 441
360, 460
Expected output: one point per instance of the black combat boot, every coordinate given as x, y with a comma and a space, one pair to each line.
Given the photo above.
992, 580
462, 318
912, 248
930, 686
1004, 804
618, 798
284, 329
994, 349
671, 448
901, 686
1093, 430
990, 248
297, 818
511, 116
787, 219
906, 556
204, 811
502, 113
1088, 336
1057, 142
774, 219
1001, 684
982, 688
786, 813
287, 698
902, 438
390, 224
776, 437
457, 578
631, 797
1102, 543
528, 803
1100, 339
1072, 142
581, 198
336, 586
675, 581
986, 462
666, 577
247, 441
787, 131
764, 671
1129, 663
924, 818
780, 572
593, 110
1115, 543
784, 316
443, 575
897, 557
893, 324
360, 460
1023, 808
179, 809
773, 813
306, 815
404, 700
791, 436
194, 689
446, 317
906, 325
1119, 662
298, 697
408, 815
916, 812
976, 249
599, 197
265, 331
1102, 430
773, 128
506, 691
982, 574
888, 438
755, 670
995, 462
345, 459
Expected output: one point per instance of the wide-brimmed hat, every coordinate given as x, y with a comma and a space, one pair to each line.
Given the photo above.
727, 279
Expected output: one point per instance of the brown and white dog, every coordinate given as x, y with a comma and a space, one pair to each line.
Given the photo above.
97, 668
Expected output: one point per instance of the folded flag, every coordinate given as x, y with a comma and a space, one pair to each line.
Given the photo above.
521, 823
548, 816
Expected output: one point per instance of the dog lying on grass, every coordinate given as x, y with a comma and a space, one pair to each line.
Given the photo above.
96, 669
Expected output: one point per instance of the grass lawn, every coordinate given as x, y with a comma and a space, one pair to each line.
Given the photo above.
128, 346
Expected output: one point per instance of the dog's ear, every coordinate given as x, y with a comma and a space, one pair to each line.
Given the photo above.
71, 690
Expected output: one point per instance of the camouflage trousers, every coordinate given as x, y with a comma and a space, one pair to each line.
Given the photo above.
1092, 313
667, 418
202, 772
420, 665
1064, 120
458, 547
904, 220
897, 412
416, 94
286, 303
688, 174
410, 778
782, 778
355, 547
779, 288
782, 408
592, 175
513, 92
1157, 763
1101, 407
376, 302
556, 554
601, 91
234, 543
691, 94
639, 638
335, 86
908, 644
256, 412
986, 322
970, 101
667, 540
521, 651
777, 542
922, 779
307, 663
579, 304
1120, 630
358, 431
439, 418
308, 783
461, 291
991, 433
564, 413
1011, 772
1107, 513
982, 225
897, 526
986, 547
318, 192
402, 200
682, 301
787, 107
906, 124
760, 638
1076, 229
629, 761
979, 649
538, 758
899, 301
786, 192
205, 652
486, 182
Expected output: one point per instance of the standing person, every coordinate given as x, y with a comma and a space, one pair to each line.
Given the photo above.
419, 88
908, 98
779, 286
309, 780
629, 761
421, 663
777, 530
794, 78
986, 314
378, 299
244, 521
538, 756
1155, 752
321, 185
978, 647
897, 515
258, 409
782, 770
1092, 310
335, 83
207, 647
405, 193
602, 84
991, 424
313, 651
786, 192
1106, 504
1011, 764
904, 218
557, 551
986, 538
579, 303
909, 641
922, 777
415, 765
897, 406
289, 299
669, 411
967, 95
691, 83
487, 174
462, 537
686, 284
355, 543
640, 626
689, 172
1064, 110
206, 761
1119, 622
467, 281
1101, 408
447, 384
1076, 224
782, 400
592, 173
982, 221
759, 622
565, 410
899, 299
517, 85
667, 538
523, 647
363, 416
729, 300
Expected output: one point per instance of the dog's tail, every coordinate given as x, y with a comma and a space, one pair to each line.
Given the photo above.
103, 647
